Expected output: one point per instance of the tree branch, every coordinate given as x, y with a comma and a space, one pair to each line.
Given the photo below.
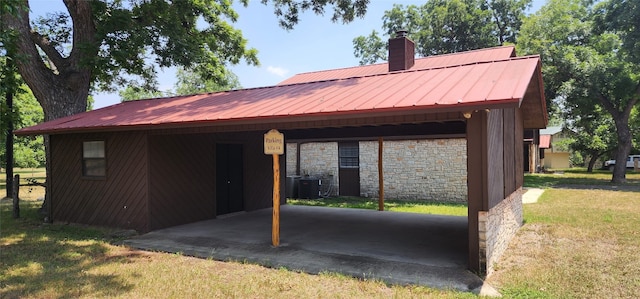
51, 52
609, 106
84, 30
26, 56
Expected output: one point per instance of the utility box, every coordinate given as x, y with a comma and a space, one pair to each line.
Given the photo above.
291, 186
309, 188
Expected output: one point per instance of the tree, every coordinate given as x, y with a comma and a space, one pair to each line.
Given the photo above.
136, 92
190, 82
586, 69
593, 136
446, 26
10, 82
98, 42
29, 150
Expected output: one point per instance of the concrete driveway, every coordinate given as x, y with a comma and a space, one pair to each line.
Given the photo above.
398, 248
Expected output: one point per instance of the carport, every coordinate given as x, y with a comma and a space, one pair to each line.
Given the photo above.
162, 157
398, 248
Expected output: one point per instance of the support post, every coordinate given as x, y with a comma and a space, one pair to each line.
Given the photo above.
15, 196
380, 176
275, 228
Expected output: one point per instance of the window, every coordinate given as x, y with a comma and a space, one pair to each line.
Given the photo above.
94, 163
348, 154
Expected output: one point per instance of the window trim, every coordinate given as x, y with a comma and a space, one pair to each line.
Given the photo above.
103, 158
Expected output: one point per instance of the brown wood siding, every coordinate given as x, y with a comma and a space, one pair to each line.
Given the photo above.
118, 200
519, 150
476, 181
182, 179
510, 151
495, 160
183, 176
258, 171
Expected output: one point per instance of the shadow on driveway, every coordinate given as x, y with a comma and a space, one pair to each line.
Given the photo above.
397, 248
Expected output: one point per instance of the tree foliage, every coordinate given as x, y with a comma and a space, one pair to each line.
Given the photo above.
446, 26
28, 151
585, 70
621, 17
289, 11
188, 83
593, 136
136, 92
106, 44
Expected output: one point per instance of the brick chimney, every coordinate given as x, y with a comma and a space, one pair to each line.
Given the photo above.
401, 52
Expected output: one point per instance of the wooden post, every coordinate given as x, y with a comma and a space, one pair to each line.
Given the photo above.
15, 196
275, 228
274, 146
380, 176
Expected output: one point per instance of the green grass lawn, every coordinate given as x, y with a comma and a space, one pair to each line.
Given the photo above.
577, 176
424, 207
67, 261
574, 244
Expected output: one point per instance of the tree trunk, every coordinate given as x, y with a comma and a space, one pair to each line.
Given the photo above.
592, 162
621, 119
622, 153
61, 85
9, 145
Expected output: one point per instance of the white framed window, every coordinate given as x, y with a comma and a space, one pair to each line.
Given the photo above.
94, 162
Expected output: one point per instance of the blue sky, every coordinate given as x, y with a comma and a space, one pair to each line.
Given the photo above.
314, 44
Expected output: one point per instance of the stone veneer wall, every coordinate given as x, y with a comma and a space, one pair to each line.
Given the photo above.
291, 151
429, 169
319, 159
497, 227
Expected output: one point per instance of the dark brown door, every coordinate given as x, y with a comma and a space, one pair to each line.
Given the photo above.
349, 168
229, 179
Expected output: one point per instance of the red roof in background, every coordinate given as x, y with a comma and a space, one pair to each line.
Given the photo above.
446, 60
457, 88
545, 141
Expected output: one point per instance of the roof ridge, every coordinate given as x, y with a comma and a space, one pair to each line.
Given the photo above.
420, 58
330, 80
410, 71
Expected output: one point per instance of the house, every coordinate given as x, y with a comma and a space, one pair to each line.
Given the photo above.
554, 155
151, 164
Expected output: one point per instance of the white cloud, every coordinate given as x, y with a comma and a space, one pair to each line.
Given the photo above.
277, 71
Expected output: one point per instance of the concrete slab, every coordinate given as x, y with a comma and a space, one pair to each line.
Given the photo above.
531, 195
398, 248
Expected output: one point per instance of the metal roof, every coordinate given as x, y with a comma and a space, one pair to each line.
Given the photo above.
545, 141
486, 85
551, 130
446, 60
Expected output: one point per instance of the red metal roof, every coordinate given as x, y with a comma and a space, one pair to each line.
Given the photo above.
447, 60
486, 85
545, 141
